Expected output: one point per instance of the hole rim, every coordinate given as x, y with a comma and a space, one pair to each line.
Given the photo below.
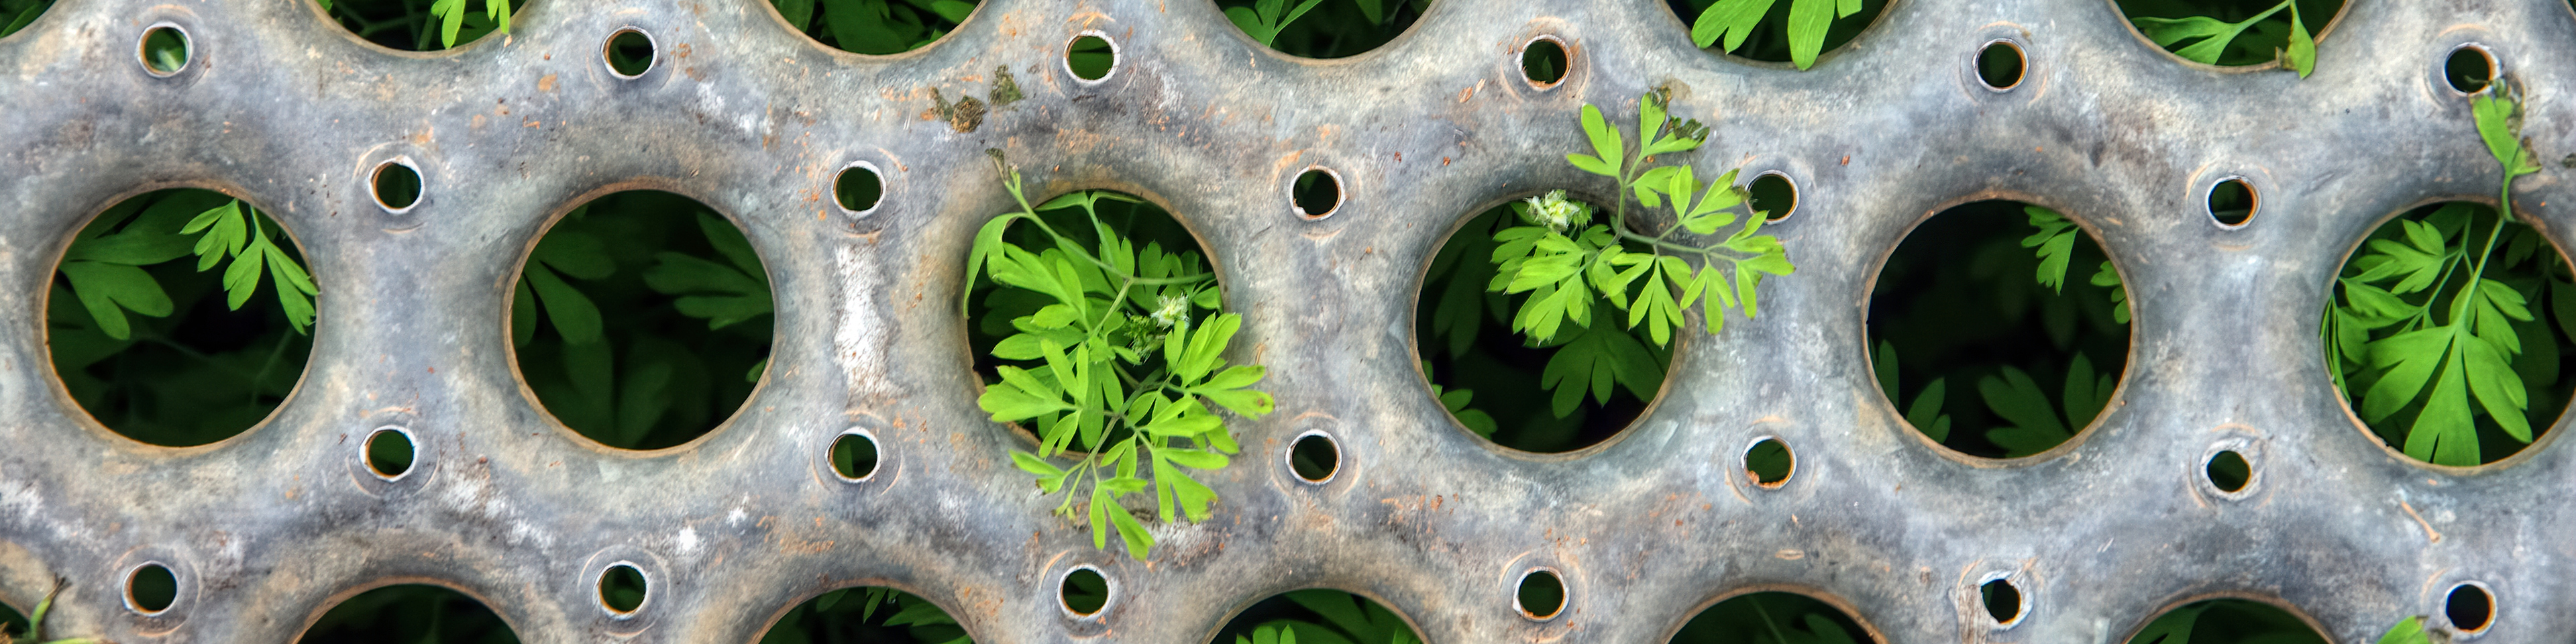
1745, 460
1564, 594
1116, 57
187, 45
1333, 470
2021, 64
2209, 467
2442, 69
1794, 198
1341, 193
2209, 197
872, 170
376, 184
2485, 594
366, 456
878, 465
1109, 599
599, 589
609, 44
1564, 49
135, 573
2020, 605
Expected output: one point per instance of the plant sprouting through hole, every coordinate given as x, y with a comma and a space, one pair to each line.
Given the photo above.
868, 614
2212, 40
2433, 330
35, 633
1317, 616
1802, 31
874, 26
411, 24
1117, 368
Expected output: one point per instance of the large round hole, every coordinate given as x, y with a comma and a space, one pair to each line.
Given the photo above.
411, 26
1773, 195
151, 588
2002, 600
16, 15
629, 53
866, 614
2232, 203
1084, 592
854, 456
1317, 194
1769, 617
622, 588
2228, 471
2468, 607
1541, 595
397, 186
1769, 462
1314, 458
1323, 29
409, 613
2227, 620
2012, 326
1495, 380
2469, 69
1090, 57
1543, 61
164, 50
642, 319
1999, 64
389, 452
1315, 615
1767, 38
2409, 276
858, 188
2174, 27
875, 27
149, 340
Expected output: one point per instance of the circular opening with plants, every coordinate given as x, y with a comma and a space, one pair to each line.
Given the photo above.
2469, 607
628, 53
1091, 57
867, 614
1323, 28
409, 613
151, 588
858, 188
1098, 329
2228, 621
641, 320
1084, 592
1316, 615
1772, 618
1546, 324
1762, 29
2448, 331
2232, 202
396, 186
2002, 600
1999, 65
180, 317
1541, 595
1772, 194
1543, 61
854, 456
17, 14
2235, 32
389, 452
1769, 462
164, 50
2469, 69
412, 25
622, 589
1980, 296
874, 26
1317, 193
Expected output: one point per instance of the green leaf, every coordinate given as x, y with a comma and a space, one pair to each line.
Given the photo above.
1606, 142
574, 317
108, 290
2055, 242
2018, 399
2407, 631
1731, 20
1808, 21
2499, 124
2301, 57
798, 13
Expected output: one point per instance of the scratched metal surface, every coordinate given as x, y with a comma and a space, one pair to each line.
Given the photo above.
267, 530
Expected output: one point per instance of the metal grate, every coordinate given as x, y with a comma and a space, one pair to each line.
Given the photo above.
265, 531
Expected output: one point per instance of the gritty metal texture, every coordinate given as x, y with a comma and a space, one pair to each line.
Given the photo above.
280, 106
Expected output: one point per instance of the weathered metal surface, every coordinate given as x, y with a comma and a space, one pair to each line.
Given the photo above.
284, 108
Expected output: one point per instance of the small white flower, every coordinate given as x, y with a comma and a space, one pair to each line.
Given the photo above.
1171, 311
1552, 209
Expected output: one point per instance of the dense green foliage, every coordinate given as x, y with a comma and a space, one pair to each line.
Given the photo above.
1796, 31
874, 26
2234, 32
1316, 616
867, 614
1323, 28
421, 25
410, 613
2228, 621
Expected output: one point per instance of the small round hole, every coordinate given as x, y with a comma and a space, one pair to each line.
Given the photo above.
1318, 193
622, 588
397, 186
2469, 69
1541, 596
1314, 458
1769, 462
854, 456
165, 50
2469, 607
1999, 64
1090, 57
2228, 471
2232, 203
1774, 196
1543, 62
858, 188
1084, 592
151, 588
629, 53
389, 453
2003, 601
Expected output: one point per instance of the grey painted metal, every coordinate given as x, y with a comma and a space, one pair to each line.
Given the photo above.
267, 530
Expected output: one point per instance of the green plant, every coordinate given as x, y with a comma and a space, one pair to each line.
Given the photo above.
2214, 40
1328, 29
1806, 25
2434, 324
1770, 618
1263, 20
409, 24
410, 613
1318, 616
851, 615
35, 633
16, 14
874, 26
2227, 621
1123, 362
